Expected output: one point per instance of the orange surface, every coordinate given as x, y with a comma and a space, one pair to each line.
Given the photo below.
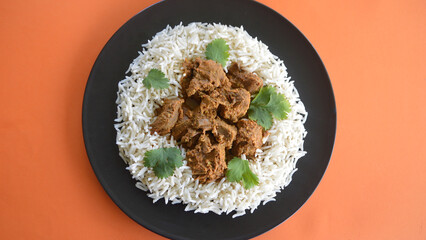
374, 188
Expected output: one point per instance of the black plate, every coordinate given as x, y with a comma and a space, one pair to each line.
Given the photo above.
284, 40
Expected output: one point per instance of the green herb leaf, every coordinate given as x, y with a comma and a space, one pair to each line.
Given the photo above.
163, 161
217, 50
263, 96
267, 104
278, 106
239, 170
261, 115
156, 79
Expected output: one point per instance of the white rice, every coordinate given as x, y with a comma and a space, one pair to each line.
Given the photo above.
275, 162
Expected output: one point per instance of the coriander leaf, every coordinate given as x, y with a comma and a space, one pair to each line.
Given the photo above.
217, 50
163, 161
264, 96
267, 104
250, 179
239, 170
278, 106
261, 115
235, 170
156, 79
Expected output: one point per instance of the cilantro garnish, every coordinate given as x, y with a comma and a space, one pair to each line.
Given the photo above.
267, 104
217, 50
163, 161
238, 170
156, 79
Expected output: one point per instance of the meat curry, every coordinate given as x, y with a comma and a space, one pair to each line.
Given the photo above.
210, 121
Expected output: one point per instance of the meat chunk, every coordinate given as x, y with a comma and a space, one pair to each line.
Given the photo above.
207, 160
224, 133
206, 112
167, 116
188, 67
205, 143
210, 102
203, 120
238, 102
249, 138
242, 79
183, 123
207, 75
190, 138
208, 105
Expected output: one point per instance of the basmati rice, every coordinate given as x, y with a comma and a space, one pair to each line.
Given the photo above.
275, 163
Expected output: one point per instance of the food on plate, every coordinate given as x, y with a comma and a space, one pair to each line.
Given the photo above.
167, 116
240, 78
163, 161
249, 138
208, 117
208, 121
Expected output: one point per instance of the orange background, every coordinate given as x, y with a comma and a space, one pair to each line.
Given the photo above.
374, 188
